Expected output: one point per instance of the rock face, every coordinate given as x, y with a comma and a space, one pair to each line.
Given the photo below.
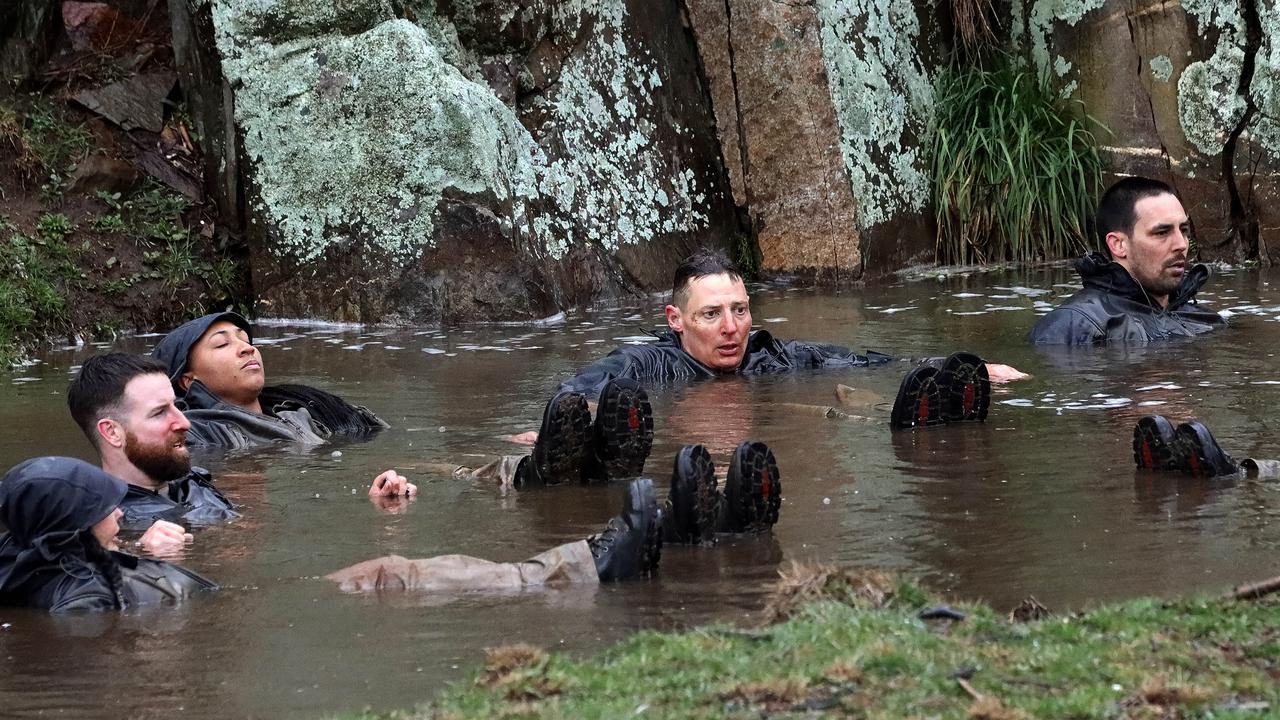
1189, 93
499, 160
821, 108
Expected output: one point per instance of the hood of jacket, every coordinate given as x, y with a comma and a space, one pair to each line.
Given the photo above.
1101, 272
49, 504
174, 349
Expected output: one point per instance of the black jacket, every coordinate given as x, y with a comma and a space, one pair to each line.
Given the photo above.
1113, 308
291, 413
49, 558
667, 361
191, 498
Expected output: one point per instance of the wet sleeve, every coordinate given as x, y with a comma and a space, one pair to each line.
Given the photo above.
592, 379
83, 600
205, 432
819, 355
1066, 326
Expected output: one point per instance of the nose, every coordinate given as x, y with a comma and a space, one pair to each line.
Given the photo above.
246, 348
729, 325
180, 421
1180, 241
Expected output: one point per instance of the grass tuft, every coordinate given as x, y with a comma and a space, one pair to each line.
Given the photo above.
1015, 171
805, 583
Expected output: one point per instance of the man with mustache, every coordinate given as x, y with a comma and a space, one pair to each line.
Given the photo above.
124, 405
1146, 290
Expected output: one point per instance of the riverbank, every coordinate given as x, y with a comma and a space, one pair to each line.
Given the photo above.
855, 645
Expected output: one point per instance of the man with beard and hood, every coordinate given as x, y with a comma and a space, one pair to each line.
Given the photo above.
60, 552
218, 376
126, 407
1145, 291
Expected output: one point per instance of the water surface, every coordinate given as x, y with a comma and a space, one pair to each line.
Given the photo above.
1042, 499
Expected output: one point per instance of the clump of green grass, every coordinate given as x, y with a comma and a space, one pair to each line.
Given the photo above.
35, 274
865, 657
1015, 167
45, 145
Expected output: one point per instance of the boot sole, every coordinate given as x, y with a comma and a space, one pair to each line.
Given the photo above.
754, 489
919, 401
564, 440
695, 500
624, 429
966, 388
1201, 455
1153, 443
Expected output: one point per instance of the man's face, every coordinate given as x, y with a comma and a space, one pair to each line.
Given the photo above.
1155, 254
155, 430
227, 363
714, 322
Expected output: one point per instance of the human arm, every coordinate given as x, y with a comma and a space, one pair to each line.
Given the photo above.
392, 492
165, 539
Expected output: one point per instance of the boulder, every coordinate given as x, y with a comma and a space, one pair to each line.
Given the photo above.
102, 173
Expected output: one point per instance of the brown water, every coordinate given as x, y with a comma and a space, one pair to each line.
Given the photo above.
1042, 499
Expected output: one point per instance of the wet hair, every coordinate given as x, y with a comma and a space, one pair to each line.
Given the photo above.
700, 264
1116, 211
98, 388
106, 563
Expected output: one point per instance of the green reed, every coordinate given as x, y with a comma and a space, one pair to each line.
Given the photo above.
1016, 171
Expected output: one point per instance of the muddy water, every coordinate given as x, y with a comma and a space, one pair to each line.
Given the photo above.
1042, 499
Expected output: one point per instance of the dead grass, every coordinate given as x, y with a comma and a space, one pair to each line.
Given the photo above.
990, 708
521, 670
804, 583
771, 695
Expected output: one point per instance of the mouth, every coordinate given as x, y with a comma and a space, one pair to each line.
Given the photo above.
1177, 267
728, 350
251, 365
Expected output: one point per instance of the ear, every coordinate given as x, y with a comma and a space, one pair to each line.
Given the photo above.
184, 380
675, 320
111, 432
1118, 244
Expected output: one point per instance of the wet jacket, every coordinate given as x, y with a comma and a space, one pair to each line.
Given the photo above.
667, 361
191, 499
49, 558
1113, 308
291, 413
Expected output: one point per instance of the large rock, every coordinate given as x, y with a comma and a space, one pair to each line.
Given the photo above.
28, 29
393, 172
1186, 93
822, 110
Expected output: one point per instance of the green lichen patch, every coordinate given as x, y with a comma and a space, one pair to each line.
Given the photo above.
1161, 68
883, 99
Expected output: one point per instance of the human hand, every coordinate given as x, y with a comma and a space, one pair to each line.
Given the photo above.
998, 373
164, 538
392, 484
527, 437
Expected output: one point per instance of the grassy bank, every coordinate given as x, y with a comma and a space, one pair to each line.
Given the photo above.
849, 645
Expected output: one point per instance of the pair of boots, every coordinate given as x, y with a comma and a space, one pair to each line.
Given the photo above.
959, 391
631, 544
1189, 448
571, 447
752, 497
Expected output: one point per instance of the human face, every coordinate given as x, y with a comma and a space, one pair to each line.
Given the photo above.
227, 363
714, 322
155, 430
1155, 253
106, 530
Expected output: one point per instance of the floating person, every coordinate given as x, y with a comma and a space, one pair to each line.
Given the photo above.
630, 546
218, 376
1146, 290
1190, 449
126, 406
61, 553
710, 335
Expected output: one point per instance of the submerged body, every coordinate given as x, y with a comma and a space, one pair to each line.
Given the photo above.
60, 553
1115, 308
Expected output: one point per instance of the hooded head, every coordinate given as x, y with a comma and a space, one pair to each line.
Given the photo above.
175, 349
49, 499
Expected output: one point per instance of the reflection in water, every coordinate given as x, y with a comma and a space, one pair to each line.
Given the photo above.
1042, 499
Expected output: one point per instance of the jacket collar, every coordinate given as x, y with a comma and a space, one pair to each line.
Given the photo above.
1102, 273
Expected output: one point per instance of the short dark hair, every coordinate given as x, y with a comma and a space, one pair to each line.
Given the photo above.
703, 262
1116, 208
98, 388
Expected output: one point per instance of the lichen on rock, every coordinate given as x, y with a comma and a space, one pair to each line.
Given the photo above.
1161, 68
883, 98
1209, 102
1036, 28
